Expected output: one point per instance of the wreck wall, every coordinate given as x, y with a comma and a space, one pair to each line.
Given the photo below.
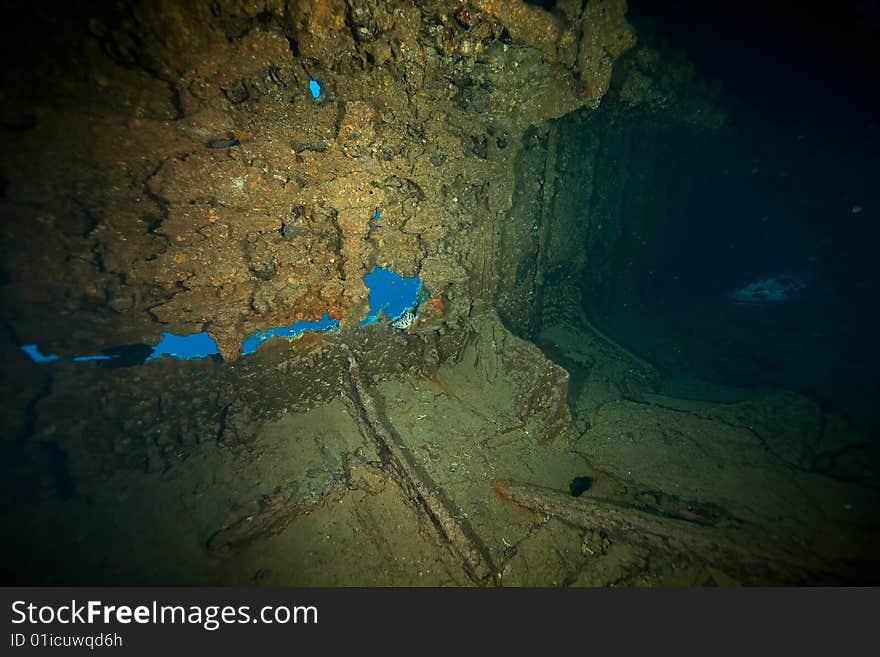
174, 174
586, 187
185, 180
168, 169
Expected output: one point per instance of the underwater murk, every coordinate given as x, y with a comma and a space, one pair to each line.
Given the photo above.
440, 293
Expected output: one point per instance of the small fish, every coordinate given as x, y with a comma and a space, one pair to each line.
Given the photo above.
405, 320
691, 516
224, 143
784, 287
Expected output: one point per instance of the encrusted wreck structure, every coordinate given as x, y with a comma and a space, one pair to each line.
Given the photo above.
228, 167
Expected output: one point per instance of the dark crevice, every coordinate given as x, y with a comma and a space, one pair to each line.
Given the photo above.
92, 221
153, 317
155, 223
176, 102
58, 464
546, 5
31, 412
221, 429
294, 46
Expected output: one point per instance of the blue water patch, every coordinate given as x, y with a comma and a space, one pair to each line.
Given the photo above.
378, 215
390, 292
32, 351
84, 359
250, 344
194, 345
314, 88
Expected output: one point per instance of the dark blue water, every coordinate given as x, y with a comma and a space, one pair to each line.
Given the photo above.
786, 190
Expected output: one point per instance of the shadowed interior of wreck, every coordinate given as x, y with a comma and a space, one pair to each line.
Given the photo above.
334, 292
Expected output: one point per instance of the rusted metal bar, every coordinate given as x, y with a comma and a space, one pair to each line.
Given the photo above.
460, 538
746, 551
